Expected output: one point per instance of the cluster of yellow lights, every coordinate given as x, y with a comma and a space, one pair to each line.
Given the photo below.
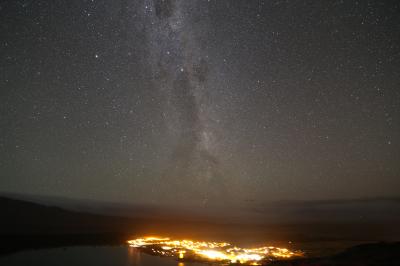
210, 251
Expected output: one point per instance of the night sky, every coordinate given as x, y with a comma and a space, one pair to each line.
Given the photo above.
199, 102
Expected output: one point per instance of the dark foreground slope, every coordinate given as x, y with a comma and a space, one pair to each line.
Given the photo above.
375, 254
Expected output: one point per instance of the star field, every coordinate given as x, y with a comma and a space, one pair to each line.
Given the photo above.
197, 102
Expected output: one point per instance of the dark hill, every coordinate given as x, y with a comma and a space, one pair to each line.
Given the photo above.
374, 254
21, 217
29, 225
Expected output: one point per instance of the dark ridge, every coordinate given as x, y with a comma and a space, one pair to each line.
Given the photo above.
374, 254
26, 225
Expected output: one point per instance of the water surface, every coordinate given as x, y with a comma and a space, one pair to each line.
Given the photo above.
87, 256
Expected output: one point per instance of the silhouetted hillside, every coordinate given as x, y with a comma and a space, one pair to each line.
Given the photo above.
29, 225
20, 217
375, 254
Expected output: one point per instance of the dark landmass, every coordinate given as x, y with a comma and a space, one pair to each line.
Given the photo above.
27, 218
374, 254
26, 225
29, 225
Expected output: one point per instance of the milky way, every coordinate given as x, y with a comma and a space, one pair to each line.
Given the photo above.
232, 102
180, 71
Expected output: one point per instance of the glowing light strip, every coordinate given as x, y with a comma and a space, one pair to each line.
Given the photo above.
210, 251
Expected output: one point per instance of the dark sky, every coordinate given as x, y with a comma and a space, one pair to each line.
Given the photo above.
198, 102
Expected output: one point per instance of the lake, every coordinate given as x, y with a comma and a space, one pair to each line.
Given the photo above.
86, 256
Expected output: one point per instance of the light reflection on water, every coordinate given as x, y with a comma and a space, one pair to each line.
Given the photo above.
86, 256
